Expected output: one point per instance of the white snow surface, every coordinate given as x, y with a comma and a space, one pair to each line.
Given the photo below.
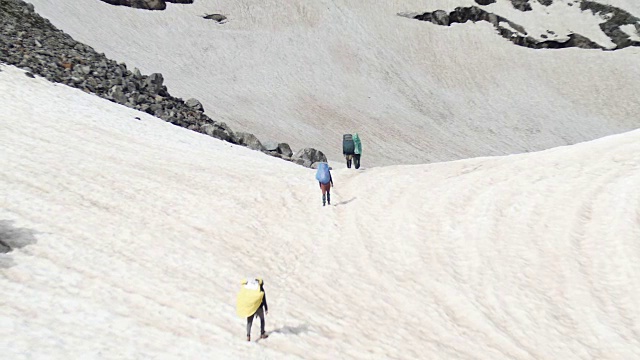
144, 231
306, 72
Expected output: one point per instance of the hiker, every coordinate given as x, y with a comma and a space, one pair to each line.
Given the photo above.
357, 150
348, 148
252, 301
323, 175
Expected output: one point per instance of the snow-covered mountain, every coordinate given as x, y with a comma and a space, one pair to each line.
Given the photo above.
129, 236
305, 72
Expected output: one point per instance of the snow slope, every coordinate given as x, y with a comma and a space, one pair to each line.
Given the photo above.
144, 231
305, 72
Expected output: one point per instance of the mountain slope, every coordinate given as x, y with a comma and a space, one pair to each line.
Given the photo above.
307, 72
145, 229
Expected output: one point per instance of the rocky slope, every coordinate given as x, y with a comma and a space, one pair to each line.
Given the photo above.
613, 19
32, 43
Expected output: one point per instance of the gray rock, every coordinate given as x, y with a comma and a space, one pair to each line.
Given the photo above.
303, 162
194, 104
140, 4
440, 17
215, 131
310, 156
522, 5
216, 17
250, 141
270, 146
137, 74
284, 149
154, 83
117, 94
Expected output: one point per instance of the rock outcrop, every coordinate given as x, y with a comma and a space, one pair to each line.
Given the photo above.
32, 43
517, 34
216, 17
308, 156
616, 18
147, 4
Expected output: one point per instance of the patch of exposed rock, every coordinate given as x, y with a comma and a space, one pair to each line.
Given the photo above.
616, 18
33, 44
216, 17
517, 34
147, 4
522, 5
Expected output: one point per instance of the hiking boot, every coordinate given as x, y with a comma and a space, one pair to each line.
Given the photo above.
328, 198
264, 336
324, 199
248, 338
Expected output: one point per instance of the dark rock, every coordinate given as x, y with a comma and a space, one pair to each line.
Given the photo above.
29, 75
303, 162
35, 45
522, 5
485, 2
440, 17
153, 83
284, 149
194, 104
616, 18
309, 155
250, 141
611, 27
545, 2
117, 94
216, 132
140, 4
216, 17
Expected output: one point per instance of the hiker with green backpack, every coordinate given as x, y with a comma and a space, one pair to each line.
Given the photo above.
357, 150
352, 149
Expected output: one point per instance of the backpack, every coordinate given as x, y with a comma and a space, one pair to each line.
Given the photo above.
323, 175
348, 146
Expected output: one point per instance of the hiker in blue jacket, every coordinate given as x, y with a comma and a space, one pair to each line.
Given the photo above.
323, 175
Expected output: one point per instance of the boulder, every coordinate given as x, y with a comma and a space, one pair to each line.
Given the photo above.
140, 4
194, 104
117, 94
217, 131
250, 141
153, 83
440, 17
279, 148
522, 5
485, 2
216, 17
303, 162
270, 146
284, 149
308, 156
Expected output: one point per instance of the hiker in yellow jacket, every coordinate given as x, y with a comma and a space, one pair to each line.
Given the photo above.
251, 301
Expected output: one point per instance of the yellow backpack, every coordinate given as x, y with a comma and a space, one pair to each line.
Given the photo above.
249, 297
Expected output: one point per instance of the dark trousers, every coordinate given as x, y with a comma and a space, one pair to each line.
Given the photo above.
260, 314
356, 161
